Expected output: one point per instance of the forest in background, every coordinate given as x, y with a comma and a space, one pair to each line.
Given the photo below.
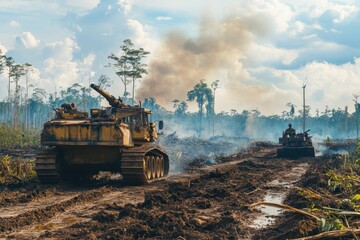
26, 107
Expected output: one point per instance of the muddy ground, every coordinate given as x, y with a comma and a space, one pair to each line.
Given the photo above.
202, 202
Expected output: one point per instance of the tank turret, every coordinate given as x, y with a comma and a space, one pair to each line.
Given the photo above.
113, 101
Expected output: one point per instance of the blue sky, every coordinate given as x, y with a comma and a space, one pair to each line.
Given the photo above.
262, 51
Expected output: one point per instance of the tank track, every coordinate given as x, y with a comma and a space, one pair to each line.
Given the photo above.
144, 164
296, 152
46, 167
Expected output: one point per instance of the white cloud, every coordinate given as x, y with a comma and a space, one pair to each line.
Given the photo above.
126, 5
59, 67
14, 23
27, 40
3, 49
340, 11
298, 28
278, 14
163, 18
141, 35
325, 46
138, 29
260, 53
327, 85
61, 50
336, 82
89, 60
85, 67
78, 5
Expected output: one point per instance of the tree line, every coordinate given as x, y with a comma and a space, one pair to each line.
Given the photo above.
22, 109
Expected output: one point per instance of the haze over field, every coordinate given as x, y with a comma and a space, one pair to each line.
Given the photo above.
262, 51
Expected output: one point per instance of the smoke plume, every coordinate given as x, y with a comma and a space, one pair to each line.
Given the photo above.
217, 52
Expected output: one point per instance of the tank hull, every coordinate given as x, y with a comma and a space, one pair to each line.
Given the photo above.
296, 152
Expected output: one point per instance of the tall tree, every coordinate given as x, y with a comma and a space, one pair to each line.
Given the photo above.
37, 106
181, 109
9, 63
292, 109
104, 81
27, 70
129, 66
121, 69
151, 104
16, 72
201, 94
176, 103
2, 62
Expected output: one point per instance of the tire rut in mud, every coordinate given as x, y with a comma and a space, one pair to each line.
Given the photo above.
42, 214
22, 193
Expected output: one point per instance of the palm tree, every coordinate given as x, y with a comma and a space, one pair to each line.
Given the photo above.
201, 94
292, 109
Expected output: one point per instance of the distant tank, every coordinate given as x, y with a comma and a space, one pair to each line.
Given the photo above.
119, 138
296, 145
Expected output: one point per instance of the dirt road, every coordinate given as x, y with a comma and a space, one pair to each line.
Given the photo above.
208, 202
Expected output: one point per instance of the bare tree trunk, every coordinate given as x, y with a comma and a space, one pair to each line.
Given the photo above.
133, 90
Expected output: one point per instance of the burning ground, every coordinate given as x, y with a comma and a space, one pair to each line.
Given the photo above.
206, 200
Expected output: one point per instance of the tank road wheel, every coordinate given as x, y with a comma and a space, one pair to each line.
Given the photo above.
148, 167
161, 160
153, 167
158, 167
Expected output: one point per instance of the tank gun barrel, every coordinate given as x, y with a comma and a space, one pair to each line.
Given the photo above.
114, 102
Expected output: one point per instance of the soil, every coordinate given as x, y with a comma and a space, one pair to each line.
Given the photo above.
201, 202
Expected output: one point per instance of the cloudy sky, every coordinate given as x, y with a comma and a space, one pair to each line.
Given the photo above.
262, 51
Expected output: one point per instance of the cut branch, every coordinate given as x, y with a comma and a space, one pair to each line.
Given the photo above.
332, 234
287, 208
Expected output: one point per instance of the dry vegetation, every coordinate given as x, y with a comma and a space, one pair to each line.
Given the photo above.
17, 137
15, 169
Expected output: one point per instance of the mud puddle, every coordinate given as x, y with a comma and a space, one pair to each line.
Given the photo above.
278, 190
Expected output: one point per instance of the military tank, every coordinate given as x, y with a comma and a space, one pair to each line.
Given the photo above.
296, 145
119, 139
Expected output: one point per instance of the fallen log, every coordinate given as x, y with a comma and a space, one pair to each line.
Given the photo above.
287, 208
332, 234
